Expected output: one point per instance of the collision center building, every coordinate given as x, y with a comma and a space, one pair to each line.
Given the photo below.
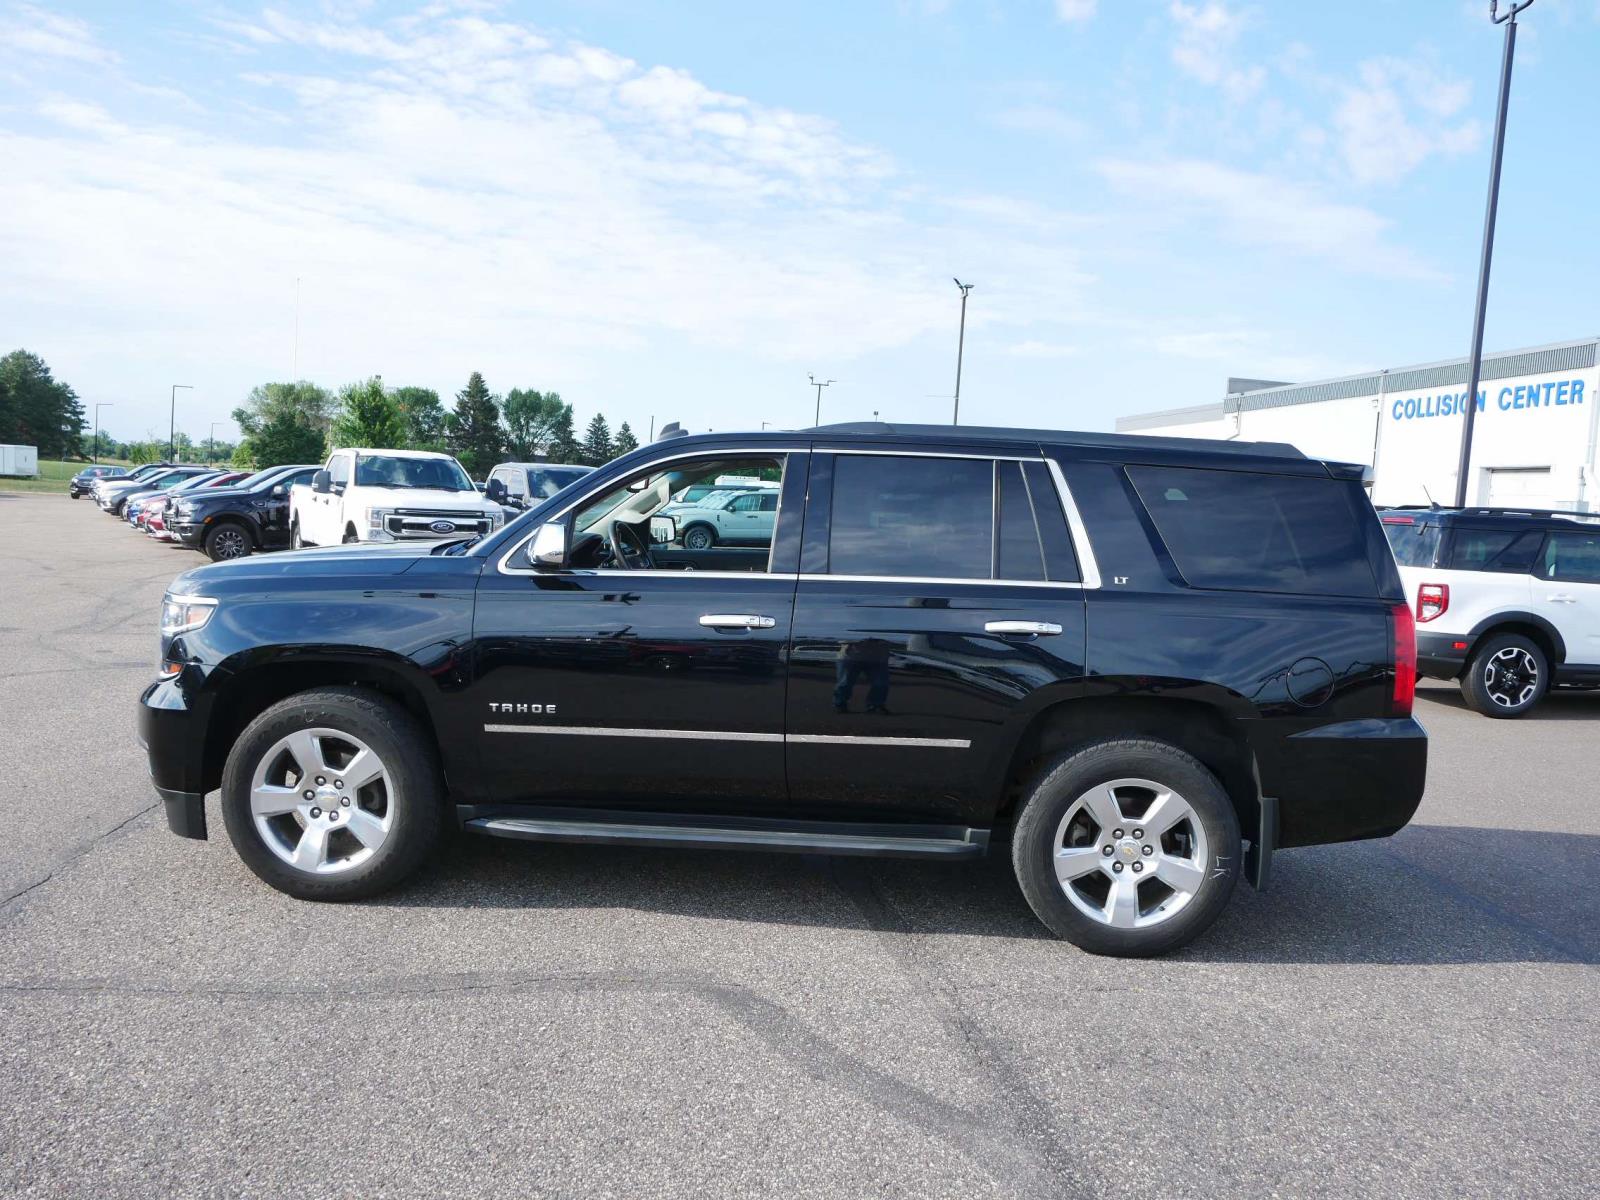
1534, 444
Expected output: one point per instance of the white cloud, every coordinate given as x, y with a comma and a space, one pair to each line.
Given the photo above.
1076, 10
1207, 39
456, 191
1037, 349
1261, 210
1380, 133
34, 31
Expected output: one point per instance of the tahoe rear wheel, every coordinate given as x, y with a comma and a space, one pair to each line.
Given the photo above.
227, 541
333, 794
1507, 676
1126, 847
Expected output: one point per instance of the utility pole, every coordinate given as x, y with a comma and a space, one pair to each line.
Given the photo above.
211, 442
819, 384
97, 408
961, 345
296, 372
1475, 362
172, 429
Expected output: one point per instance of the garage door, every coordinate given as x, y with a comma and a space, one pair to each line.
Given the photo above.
1520, 487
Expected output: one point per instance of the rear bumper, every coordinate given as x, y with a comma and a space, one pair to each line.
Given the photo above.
1345, 781
1442, 655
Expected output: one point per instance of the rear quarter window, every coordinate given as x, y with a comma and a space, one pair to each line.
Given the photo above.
1251, 532
1415, 543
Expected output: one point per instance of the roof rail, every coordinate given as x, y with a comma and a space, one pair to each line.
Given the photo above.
1485, 510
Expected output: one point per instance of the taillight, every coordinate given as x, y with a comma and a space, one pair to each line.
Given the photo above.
1404, 650
1432, 600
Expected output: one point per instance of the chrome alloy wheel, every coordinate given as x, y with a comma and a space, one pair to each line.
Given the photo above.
1511, 677
1130, 853
322, 801
230, 543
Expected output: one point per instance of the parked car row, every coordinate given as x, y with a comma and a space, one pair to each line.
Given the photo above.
223, 513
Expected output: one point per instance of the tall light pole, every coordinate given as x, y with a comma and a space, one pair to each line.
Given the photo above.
98, 406
819, 385
961, 345
1475, 362
211, 442
172, 428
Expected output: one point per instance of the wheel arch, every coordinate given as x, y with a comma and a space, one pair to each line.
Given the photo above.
251, 689
700, 523
1197, 728
1530, 625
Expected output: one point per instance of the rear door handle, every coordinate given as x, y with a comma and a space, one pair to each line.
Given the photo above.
737, 621
1562, 598
1041, 628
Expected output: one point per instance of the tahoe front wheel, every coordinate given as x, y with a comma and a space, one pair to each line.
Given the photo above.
1127, 847
333, 794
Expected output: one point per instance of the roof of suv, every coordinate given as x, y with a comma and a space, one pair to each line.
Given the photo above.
1058, 437
1517, 518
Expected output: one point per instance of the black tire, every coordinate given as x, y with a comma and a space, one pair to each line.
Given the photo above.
228, 540
417, 791
699, 537
296, 542
1497, 683
351, 537
1049, 800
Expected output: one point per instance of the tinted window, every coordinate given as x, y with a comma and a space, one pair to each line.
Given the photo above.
903, 516
769, 501
1021, 555
1415, 544
1252, 532
1571, 556
1494, 549
1061, 560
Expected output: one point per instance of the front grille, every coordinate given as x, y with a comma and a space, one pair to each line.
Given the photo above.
419, 522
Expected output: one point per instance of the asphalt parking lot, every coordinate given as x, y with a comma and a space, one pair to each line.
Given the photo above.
1413, 1017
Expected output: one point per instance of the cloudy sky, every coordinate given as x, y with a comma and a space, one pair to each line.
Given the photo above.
678, 211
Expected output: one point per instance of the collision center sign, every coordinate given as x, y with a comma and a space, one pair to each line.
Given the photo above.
1560, 393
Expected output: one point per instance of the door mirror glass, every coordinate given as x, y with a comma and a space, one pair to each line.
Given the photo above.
550, 546
277, 489
322, 482
663, 531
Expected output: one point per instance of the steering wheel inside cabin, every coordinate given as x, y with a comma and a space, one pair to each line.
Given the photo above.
630, 551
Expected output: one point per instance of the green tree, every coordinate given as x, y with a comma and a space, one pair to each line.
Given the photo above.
474, 428
36, 409
368, 416
531, 420
597, 448
312, 405
286, 438
424, 417
564, 447
625, 442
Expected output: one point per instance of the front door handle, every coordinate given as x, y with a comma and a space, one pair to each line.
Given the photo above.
737, 621
1042, 628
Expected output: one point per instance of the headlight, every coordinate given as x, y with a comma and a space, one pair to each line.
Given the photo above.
375, 517
185, 614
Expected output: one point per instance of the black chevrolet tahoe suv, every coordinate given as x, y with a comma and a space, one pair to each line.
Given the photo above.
1142, 665
233, 522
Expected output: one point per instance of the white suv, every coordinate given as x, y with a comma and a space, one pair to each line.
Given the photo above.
388, 496
1506, 600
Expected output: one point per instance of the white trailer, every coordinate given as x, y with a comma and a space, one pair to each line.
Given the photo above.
19, 460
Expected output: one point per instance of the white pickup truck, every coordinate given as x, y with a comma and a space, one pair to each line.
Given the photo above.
388, 496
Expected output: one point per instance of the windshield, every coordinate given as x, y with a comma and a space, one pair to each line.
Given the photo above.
547, 481
440, 474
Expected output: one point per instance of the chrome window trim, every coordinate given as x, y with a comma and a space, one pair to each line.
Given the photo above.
719, 735
932, 454
944, 580
681, 456
1087, 567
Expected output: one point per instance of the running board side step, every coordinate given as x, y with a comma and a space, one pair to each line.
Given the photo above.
710, 832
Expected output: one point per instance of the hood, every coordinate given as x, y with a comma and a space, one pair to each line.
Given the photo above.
220, 493
433, 498
363, 561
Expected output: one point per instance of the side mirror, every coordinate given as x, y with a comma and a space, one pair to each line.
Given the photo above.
663, 531
496, 490
277, 489
550, 546
322, 482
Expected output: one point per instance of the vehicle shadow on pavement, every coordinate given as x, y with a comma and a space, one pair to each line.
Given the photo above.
1559, 705
1430, 895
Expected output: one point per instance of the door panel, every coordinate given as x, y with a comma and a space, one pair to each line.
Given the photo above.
604, 688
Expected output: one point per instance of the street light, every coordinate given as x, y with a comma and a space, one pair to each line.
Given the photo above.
819, 385
172, 429
1475, 363
961, 345
211, 442
98, 406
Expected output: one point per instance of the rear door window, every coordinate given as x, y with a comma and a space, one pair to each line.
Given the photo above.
906, 516
1247, 531
1571, 557
1504, 550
